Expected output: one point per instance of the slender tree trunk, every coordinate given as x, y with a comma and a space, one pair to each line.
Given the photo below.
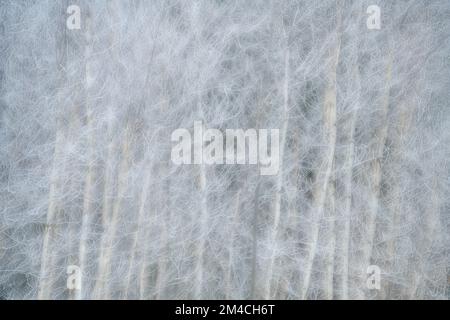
202, 177
229, 273
254, 261
50, 227
348, 189
49, 232
162, 260
279, 182
330, 241
137, 237
395, 207
376, 173
431, 223
89, 182
70, 215
103, 286
161, 280
199, 268
323, 179
108, 217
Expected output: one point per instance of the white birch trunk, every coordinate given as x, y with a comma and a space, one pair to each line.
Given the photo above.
279, 182
323, 180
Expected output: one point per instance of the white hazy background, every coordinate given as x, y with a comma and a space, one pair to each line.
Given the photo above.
86, 178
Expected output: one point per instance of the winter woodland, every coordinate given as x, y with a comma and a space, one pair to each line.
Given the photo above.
93, 207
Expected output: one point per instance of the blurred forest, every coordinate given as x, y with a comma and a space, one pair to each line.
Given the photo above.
86, 177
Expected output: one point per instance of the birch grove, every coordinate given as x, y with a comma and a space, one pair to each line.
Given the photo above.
93, 207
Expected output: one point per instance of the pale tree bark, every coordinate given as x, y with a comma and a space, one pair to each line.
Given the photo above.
202, 174
331, 242
107, 215
200, 252
103, 285
156, 172
268, 289
156, 289
90, 178
253, 294
70, 212
109, 175
395, 207
323, 178
45, 279
343, 235
161, 279
254, 267
231, 252
111, 137
348, 189
375, 172
167, 220
139, 233
431, 225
